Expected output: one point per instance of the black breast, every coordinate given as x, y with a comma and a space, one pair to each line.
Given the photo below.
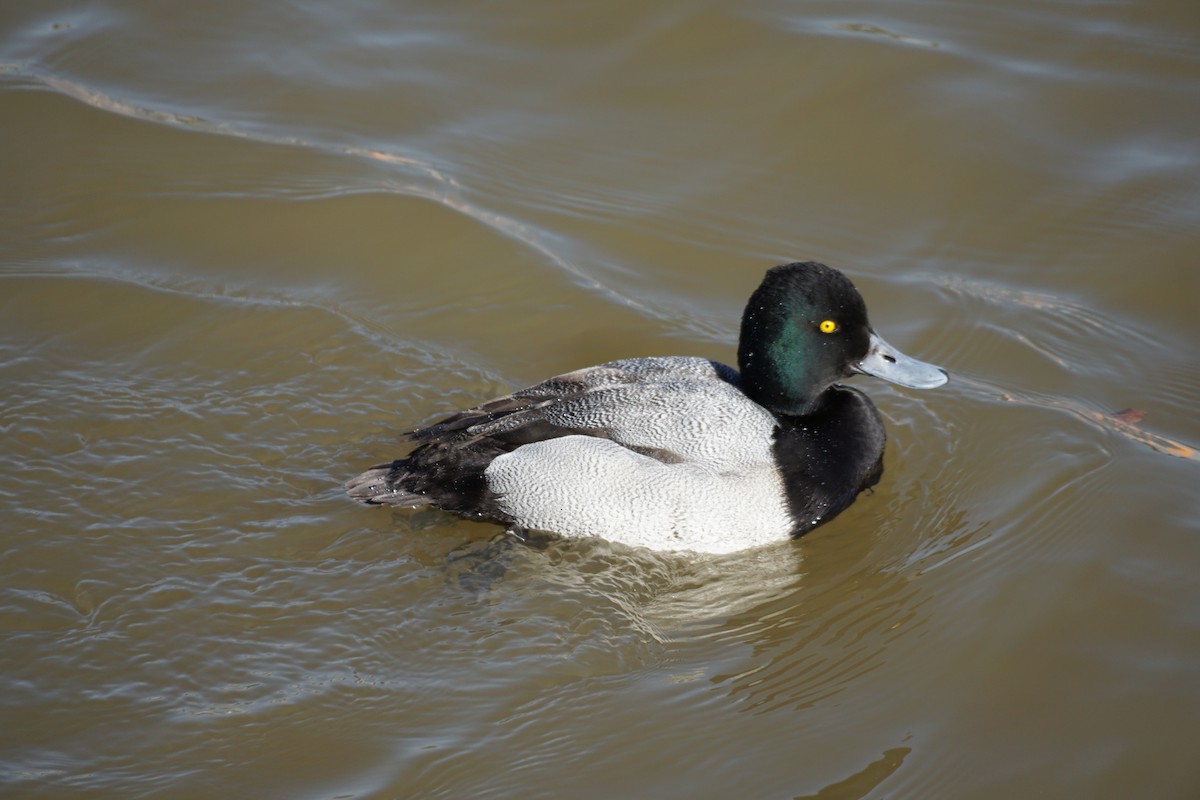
829, 456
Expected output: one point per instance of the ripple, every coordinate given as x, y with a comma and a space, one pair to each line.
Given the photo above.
1086, 348
423, 179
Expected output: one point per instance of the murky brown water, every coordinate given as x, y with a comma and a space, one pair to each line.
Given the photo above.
245, 244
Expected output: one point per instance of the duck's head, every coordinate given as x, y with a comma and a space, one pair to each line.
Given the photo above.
804, 329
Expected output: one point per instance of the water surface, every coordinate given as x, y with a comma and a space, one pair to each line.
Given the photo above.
244, 246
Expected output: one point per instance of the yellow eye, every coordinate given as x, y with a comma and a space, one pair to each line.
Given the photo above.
828, 326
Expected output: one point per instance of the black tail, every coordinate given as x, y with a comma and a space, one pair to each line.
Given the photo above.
446, 475
381, 486
447, 468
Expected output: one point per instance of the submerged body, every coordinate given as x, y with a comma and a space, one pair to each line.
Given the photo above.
676, 453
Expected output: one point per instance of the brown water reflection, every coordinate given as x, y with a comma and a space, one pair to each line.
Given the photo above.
243, 248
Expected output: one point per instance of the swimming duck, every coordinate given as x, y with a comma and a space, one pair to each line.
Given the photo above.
677, 453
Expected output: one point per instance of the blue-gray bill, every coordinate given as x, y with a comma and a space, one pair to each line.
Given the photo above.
884, 361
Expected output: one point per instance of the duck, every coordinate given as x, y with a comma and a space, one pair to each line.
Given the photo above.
676, 453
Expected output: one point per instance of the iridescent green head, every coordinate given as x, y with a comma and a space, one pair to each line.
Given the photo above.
804, 329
